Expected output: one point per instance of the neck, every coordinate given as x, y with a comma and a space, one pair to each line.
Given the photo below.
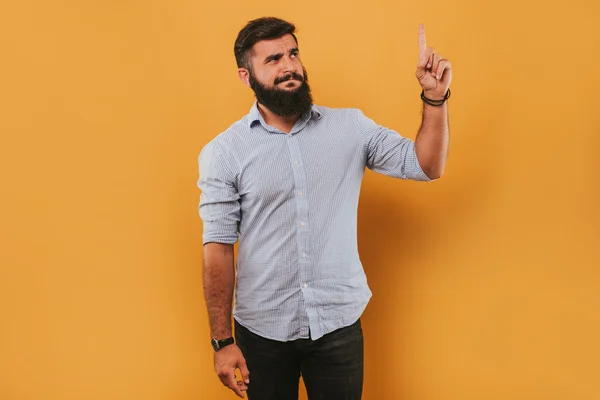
284, 124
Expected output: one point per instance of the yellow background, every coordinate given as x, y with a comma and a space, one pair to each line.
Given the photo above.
486, 283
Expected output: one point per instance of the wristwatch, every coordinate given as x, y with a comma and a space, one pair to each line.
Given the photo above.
219, 344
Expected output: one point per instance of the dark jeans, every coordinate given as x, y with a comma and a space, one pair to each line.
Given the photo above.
331, 366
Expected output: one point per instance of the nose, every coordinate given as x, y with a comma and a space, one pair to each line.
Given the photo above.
288, 64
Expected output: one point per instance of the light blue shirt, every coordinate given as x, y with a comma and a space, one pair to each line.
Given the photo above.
292, 200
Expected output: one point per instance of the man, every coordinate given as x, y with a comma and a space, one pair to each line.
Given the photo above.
285, 181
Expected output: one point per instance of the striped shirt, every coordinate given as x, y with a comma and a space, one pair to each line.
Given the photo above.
292, 201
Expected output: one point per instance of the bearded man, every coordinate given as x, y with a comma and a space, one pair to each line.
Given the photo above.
285, 180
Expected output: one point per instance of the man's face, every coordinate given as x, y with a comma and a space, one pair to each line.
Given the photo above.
275, 59
278, 78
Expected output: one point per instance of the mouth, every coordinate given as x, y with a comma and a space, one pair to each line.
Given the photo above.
291, 79
290, 84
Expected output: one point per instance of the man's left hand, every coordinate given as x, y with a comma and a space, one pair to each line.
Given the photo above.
433, 72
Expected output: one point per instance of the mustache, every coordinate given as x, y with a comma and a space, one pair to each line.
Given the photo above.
287, 77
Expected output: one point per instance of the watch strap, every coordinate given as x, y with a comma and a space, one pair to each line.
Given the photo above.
219, 344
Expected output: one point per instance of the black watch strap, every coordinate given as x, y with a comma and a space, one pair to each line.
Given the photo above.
219, 344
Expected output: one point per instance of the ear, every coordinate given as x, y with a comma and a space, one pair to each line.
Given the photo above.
244, 75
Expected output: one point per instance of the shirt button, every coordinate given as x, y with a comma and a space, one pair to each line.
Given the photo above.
304, 285
297, 164
303, 255
302, 224
300, 193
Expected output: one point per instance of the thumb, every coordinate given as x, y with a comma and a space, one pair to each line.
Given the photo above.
244, 370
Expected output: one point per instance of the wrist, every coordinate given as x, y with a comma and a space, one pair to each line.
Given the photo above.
218, 344
433, 98
433, 95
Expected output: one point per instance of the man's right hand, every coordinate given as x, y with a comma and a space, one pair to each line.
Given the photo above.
227, 360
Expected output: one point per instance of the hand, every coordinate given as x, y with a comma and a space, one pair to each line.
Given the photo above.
226, 361
433, 72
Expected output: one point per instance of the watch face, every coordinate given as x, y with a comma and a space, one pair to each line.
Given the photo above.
219, 344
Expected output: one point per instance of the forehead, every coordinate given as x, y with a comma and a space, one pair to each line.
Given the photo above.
265, 48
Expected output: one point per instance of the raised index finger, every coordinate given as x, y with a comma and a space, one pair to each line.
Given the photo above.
422, 40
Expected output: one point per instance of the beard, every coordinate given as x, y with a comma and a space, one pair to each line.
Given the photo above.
284, 103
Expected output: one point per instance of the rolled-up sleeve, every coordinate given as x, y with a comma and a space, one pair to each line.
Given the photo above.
219, 206
387, 152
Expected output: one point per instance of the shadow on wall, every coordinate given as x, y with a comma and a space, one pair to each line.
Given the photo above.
396, 235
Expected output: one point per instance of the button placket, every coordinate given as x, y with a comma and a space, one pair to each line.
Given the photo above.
302, 213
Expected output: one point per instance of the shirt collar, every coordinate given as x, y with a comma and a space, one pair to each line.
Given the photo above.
255, 116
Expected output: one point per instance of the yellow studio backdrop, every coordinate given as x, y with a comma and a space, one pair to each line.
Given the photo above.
486, 283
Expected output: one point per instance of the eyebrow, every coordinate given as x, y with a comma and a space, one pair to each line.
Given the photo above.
279, 55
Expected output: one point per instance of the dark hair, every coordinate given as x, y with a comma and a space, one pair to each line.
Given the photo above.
265, 28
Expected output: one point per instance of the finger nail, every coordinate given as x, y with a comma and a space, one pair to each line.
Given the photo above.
428, 65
